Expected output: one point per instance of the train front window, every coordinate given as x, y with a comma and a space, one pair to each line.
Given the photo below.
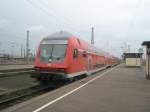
45, 53
52, 52
59, 52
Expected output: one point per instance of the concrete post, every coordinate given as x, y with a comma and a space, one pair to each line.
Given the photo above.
147, 44
148, 62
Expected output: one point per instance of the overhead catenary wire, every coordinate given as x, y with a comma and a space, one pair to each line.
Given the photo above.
134, 17
43, 10
48, 13
66, 20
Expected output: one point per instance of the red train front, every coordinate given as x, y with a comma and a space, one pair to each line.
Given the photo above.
63, 56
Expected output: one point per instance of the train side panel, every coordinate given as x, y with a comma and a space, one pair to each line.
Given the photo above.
78, 58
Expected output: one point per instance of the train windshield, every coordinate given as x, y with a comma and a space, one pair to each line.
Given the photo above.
52, 52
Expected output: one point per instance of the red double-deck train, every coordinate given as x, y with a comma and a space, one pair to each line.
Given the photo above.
64, 56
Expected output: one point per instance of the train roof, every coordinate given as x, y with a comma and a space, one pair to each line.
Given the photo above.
65, 35
58, 35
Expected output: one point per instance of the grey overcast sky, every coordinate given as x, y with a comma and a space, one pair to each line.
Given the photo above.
116, 22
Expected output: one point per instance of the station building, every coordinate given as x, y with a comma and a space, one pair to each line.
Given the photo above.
133, 59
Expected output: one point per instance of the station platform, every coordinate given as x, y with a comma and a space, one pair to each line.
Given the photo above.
14, 67
119, 89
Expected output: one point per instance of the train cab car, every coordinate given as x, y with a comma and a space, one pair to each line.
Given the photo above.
62, 56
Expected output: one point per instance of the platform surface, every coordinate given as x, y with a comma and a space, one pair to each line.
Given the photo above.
120, 89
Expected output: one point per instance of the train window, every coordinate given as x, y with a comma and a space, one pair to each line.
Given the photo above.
84, 54
45, 52
59, 52
53, 52
75, 53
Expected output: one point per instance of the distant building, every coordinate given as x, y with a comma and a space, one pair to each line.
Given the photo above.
133, 59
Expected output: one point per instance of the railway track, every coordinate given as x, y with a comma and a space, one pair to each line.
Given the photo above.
10, 73
11, 97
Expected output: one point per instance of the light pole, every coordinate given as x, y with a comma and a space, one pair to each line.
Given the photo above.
92, 35
27, 47
12, 49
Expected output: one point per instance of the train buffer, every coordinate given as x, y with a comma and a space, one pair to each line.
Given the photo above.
119, 89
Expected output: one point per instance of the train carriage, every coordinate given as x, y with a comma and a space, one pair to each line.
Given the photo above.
62, 56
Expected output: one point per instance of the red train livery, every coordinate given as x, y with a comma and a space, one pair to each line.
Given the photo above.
62, 56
